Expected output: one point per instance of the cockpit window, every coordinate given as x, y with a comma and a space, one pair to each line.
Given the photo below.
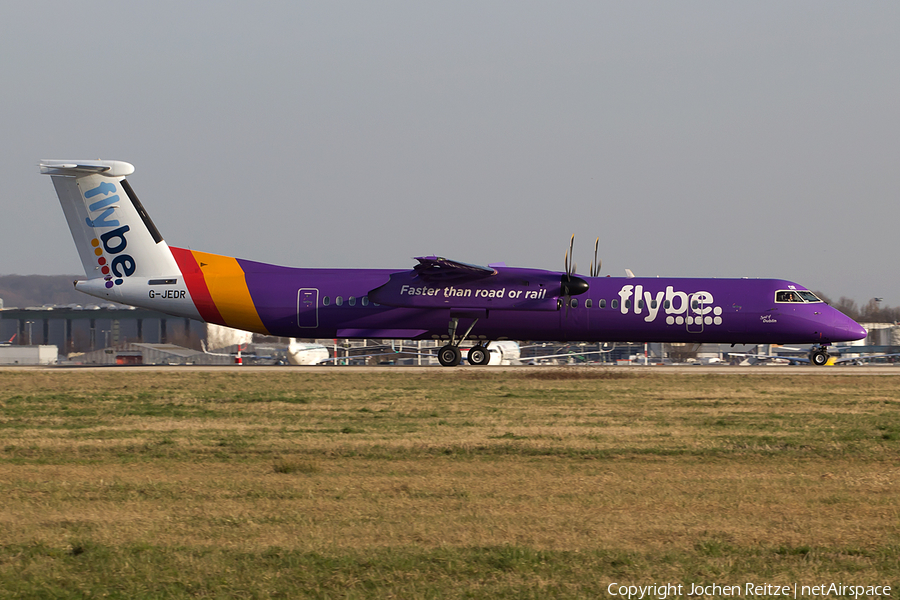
795, 296
787, 296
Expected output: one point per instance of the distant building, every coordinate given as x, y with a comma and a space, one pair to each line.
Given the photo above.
85, 328
151, 354
28, 355
880, 334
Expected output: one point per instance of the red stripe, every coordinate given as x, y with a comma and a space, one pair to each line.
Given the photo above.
193, 278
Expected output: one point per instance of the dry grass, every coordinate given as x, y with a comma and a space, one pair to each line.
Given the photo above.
650, 477
546, 505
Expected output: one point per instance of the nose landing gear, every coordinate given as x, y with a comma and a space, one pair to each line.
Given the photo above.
818, 355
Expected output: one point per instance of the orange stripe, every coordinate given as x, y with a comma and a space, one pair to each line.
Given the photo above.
228, 289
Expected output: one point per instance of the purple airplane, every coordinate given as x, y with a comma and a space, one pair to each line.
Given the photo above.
126, 260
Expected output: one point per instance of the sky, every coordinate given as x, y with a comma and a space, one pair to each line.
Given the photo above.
696, 139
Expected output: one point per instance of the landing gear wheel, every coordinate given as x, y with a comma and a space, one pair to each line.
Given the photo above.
449, 356
818, 357
479, 355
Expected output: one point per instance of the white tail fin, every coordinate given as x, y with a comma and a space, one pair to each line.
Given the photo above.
113, 233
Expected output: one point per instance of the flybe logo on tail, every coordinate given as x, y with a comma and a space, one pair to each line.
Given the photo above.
101, 221
109, 246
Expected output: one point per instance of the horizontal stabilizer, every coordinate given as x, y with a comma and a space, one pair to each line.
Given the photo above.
109, 168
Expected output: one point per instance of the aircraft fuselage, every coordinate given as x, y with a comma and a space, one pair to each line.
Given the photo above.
515, 303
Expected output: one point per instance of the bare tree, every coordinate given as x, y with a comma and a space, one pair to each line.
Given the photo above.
874, 312
848, 307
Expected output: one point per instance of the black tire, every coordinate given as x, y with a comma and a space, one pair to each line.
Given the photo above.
449, 356
818, 358
478, 355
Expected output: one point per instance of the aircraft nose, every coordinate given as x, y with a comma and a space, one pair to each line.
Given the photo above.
846, 329
858, 331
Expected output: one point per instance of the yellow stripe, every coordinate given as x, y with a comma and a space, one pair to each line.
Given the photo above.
228, 289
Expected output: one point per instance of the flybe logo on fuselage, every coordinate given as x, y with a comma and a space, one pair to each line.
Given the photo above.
109, 246
679, 307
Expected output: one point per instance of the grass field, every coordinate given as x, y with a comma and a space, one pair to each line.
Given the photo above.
448, 483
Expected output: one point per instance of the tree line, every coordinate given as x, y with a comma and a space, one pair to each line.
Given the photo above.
874, 310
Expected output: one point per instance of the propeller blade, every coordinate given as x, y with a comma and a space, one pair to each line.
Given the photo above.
569, 268
571, 284
595, 271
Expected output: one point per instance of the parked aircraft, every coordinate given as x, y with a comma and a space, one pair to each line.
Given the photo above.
9, 341
303, 353
126, 260
503, 352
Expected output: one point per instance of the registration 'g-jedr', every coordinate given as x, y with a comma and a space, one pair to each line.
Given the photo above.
126, 260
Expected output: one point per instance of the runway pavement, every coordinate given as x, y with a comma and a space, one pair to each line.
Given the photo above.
880, 370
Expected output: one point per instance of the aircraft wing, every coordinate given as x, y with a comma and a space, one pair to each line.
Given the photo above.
436, 269
795, 360
866, 357
530, 360
766, 357
405, 353
438, 282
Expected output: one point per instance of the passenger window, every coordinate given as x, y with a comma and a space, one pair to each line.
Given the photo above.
640, 304
365, 300
588, 303
628, 303
338, 301
352, 301
573, 303
326, 301
653, 304
603, 303
615, 304
667, 304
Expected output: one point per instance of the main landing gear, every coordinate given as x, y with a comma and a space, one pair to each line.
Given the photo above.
450, 355
818, 355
